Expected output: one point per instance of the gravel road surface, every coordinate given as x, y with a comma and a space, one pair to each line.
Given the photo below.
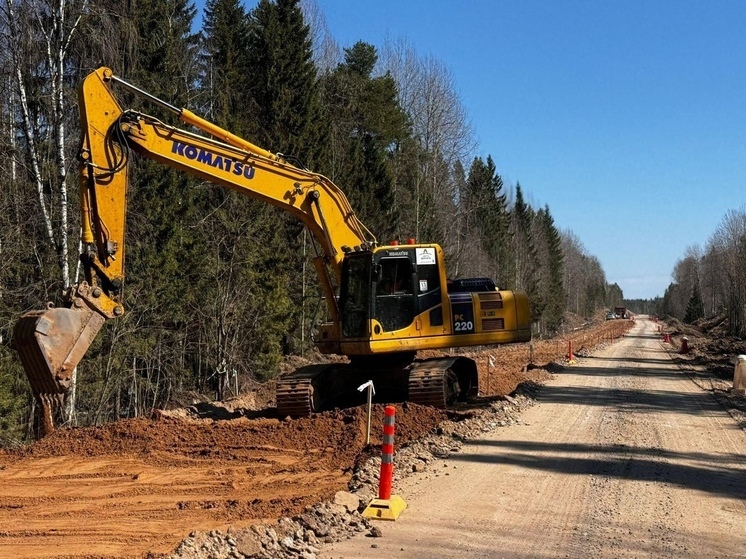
624, 456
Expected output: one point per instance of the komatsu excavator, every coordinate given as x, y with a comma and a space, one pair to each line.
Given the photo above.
385, 303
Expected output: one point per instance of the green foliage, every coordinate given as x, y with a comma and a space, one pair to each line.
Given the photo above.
163, 63
361, 59
524, 248
366, 126
552, 263
282, 82
488, 219
696, 308
224, 72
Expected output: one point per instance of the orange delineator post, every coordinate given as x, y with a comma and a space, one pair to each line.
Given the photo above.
387, 453
570, 356
386, 507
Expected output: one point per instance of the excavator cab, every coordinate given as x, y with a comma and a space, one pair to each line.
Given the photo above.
394, 304
380, 288
391, 299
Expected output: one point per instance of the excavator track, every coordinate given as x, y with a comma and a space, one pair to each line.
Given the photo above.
295, 392
432, 382
442, 382
432, 387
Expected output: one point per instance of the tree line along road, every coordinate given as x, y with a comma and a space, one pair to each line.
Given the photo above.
623, 456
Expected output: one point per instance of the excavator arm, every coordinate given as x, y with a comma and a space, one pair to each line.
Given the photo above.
52, 342
111, 134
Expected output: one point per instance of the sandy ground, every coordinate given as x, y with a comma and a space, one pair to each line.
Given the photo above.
140, 486
623, 457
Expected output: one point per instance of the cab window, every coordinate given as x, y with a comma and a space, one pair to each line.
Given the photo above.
355, 297
395, 277
395, 296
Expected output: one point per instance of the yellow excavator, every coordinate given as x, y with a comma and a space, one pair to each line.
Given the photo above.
385, 303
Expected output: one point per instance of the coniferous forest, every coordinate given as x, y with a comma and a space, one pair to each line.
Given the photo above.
219, 285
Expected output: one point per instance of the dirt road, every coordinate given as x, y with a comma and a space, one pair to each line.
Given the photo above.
623, 456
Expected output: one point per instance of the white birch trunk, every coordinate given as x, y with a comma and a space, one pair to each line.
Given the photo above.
57, 39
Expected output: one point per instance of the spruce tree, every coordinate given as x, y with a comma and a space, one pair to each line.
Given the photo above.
527, 271
366, 123
285, 117
224, 72
552, 288
282, 84
485, 204
696, 307
500, 222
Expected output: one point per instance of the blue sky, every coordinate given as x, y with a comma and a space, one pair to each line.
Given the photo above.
626, 117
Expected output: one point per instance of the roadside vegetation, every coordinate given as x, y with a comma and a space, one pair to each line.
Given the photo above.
709, 281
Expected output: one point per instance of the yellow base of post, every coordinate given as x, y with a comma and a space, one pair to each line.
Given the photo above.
385, 509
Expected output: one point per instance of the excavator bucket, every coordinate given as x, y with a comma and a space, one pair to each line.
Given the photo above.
51, 343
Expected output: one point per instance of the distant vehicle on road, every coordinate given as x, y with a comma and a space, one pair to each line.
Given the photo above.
620, 312
610, 316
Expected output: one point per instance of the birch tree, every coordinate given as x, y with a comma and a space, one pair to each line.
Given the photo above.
441, 128
44, 119
40, 78
729, 243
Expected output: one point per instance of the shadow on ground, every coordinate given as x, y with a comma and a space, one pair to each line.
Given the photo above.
703, 472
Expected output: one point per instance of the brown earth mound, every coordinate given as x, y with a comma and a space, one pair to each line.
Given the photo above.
141, 485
